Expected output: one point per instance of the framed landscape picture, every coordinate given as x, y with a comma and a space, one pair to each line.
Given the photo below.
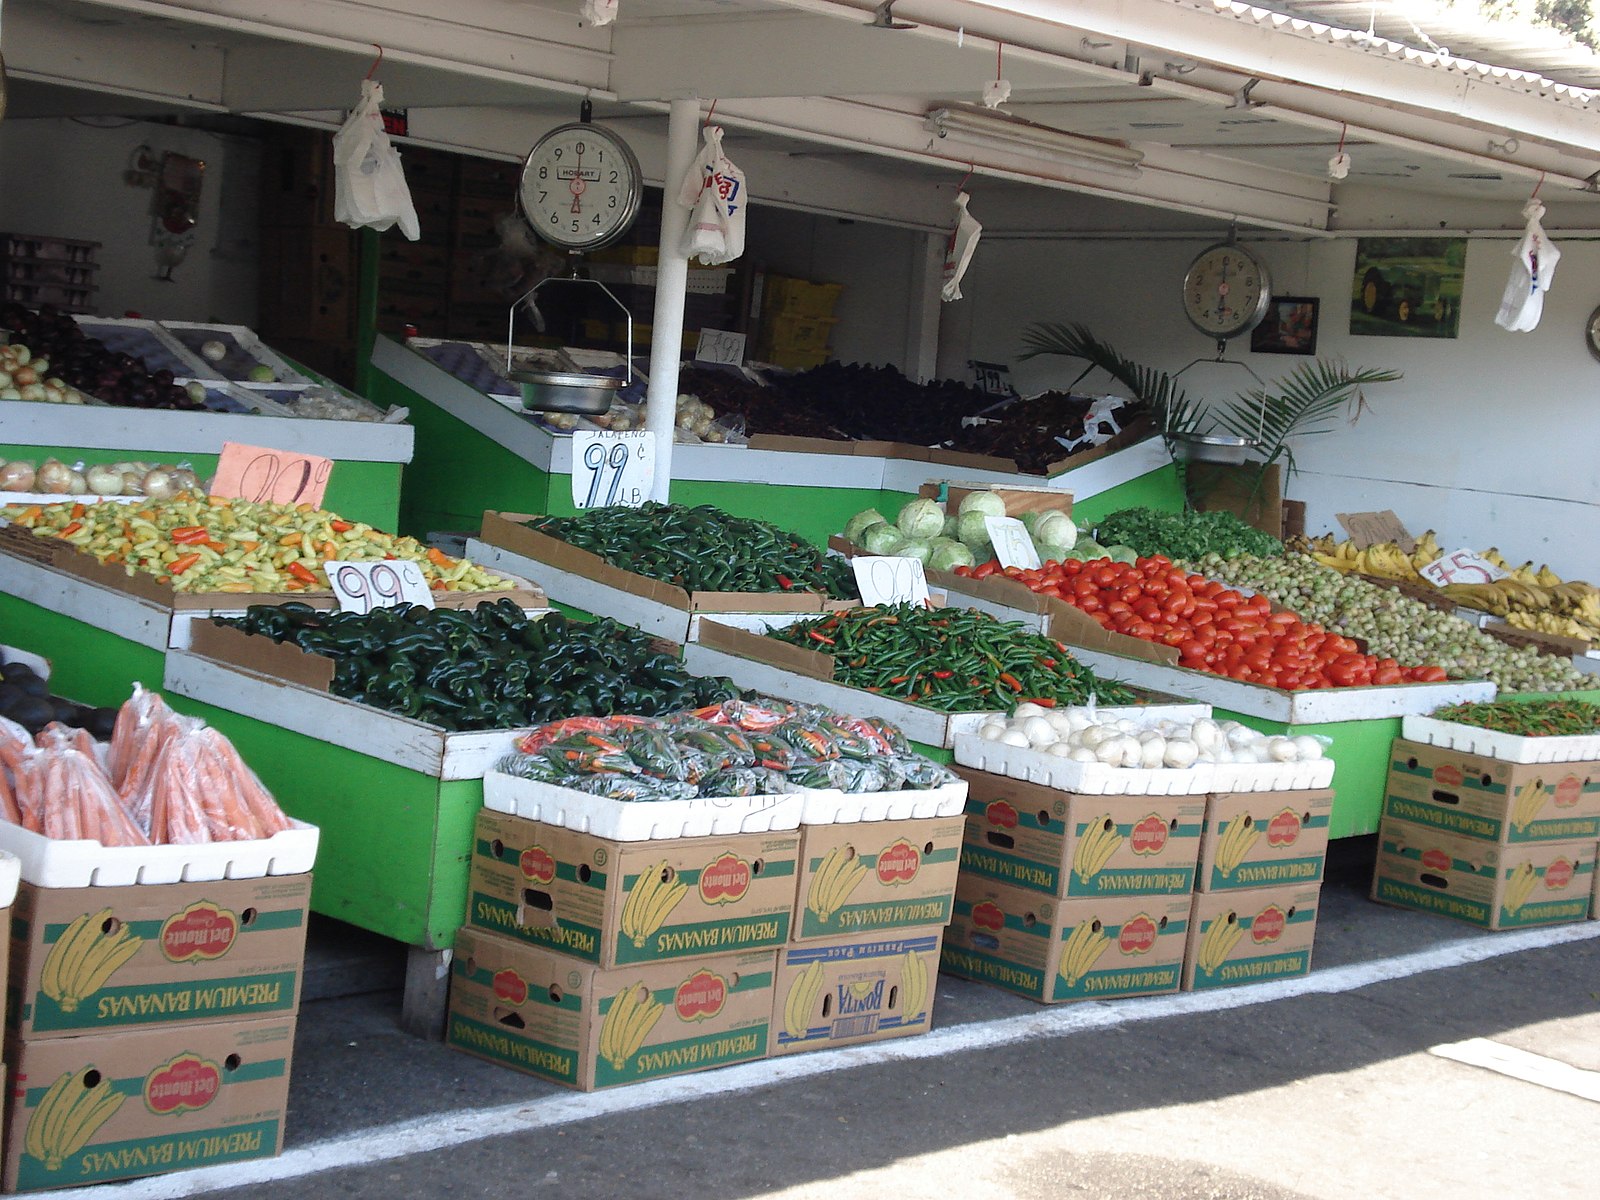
1290, 327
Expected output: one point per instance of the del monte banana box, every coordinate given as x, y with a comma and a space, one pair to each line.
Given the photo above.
1262, 839
1491, 886
1065, 844
588, 1027
1054, 950
101, 958
144, 1102
867, 875
855, 989
614, 903
1491, 799
1250, 935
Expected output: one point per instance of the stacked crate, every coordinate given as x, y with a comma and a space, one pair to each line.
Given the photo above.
796, 321
1476, 829
151, 1025
49, 270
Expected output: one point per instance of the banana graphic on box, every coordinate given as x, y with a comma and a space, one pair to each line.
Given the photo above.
913, 987
1085, 944
1527, 804
802, 1000
1520, 887
1095, 848
1218, 941
836, 877
84, 958
67, 1117
627, 1023
1233, 847
650, 902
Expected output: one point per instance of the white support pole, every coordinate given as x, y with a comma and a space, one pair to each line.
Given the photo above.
672, 279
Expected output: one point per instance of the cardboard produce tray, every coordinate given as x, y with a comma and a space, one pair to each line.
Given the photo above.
1491, 743
635, 820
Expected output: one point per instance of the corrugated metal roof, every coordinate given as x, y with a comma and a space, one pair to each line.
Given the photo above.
1450, 37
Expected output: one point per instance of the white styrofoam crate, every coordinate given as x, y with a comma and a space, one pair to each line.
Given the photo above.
639, 820
10, 874
1098, 779
830, 806
50, 862
1491, 743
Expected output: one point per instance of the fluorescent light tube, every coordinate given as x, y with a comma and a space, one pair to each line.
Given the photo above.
979, 126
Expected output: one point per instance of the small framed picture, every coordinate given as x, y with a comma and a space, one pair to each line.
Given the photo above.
1290, 327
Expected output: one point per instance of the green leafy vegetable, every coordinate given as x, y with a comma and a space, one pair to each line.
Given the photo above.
1185, 535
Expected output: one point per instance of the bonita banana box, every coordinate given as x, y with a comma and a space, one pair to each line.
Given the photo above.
1053, 950
1490, 799
106, 958
1263, 839
870, 875
144, 1102
857, 989
1065, 844
1250, 935
615, 903
1491, 886
587, 1027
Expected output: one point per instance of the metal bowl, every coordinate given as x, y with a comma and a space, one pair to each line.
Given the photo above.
558, 391
1211, 447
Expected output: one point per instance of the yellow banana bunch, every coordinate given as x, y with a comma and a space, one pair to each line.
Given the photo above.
1233, 847
1095, 848
1527, 804
1548, 622
836, 877
1085, 945
802, 1000
632, 1015
1486, 597
67, 1117
655, 894
84, 957
1520, 887
913, 987
1218, 941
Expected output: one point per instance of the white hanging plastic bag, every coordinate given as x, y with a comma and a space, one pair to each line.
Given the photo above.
598, 12
370, 185
714, 173
963, 241
1533, 270
707, 238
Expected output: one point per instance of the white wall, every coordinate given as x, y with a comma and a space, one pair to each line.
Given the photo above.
63, 178
1492, 439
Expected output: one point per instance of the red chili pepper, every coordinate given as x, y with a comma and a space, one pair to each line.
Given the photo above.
341, 526
189, 535
180, 565
785, 582
817, 637
1043, 701
899, 678
1010, 681
299, 571
943, 674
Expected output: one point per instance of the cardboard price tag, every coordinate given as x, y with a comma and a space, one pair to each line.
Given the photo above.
364, 586
1370, 528
1461, 566
720, 346
887, 579
1012, 545
612, 468
261, 474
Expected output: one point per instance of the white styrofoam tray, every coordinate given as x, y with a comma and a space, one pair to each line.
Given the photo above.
1098, 779
830, 806
10, 874
1491, 743
639, 820
49, 862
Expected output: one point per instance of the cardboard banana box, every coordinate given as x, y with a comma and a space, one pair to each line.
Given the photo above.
1490, 799
875, 875
587, 1027
855, 989
1250, 935
1262, 839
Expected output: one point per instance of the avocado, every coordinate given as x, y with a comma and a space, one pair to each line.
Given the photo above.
33, 713
100, 723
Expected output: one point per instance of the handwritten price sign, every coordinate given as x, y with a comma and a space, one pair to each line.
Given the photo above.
364, 586
720, 346
1463, 566
887, 579
612, 468
1012, 545
264, 475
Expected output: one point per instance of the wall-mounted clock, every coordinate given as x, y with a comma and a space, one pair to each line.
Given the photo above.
580, 187
1226, 291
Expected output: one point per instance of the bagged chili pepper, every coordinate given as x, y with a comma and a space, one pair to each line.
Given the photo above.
850, 775
653, 749
707, 749
581, 753
752, 716
923, 773
884, 737
532, 766
743, 781
847, 742
634, 787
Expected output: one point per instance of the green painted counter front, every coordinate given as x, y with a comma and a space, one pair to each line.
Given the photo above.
86, 664
395, 843
358, 491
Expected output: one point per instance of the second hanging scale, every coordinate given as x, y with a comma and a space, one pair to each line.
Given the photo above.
580, 189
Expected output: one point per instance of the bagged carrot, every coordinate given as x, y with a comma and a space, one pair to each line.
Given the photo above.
8, 802
75, 800
141, 713
256, 808
58, 736
202, 792
15, 745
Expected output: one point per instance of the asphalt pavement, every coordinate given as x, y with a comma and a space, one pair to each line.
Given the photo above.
1324, 1087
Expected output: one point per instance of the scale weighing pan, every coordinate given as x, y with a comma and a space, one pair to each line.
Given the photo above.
573, 391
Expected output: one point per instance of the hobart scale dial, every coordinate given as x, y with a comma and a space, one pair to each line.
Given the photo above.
580, 187
1226, 291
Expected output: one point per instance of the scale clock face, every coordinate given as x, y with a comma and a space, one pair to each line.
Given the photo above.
1226, 291
580, 187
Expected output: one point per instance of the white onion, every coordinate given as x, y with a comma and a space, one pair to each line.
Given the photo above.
1180, 754
1038, 731
32, 391
1152, 752
5, 378
1307, 748
1282, 749
16, 477
1061, 750
1059, 721
54, 478
77, 485
103, 480
1026, 709
213, 351
184, 480
157, 484
991, 733
1083, 754
1014, 737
